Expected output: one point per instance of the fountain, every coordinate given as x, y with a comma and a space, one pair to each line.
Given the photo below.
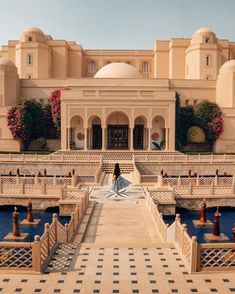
16, 235
29, 220
216, 235
202, 222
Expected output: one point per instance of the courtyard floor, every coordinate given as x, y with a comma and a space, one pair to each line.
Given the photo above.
120, 252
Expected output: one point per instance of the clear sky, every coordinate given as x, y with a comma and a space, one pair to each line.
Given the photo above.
116, 24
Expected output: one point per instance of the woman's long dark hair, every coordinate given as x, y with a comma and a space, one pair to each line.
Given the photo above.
116, 171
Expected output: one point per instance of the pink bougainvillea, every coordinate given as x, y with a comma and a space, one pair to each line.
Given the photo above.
56, 108
216, 126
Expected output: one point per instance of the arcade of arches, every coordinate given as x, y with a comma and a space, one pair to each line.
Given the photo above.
117, 132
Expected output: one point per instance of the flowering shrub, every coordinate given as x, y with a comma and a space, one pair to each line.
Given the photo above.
56, 109
209, 117
19, 122
50, 129
29, 119
196, 135
216, 127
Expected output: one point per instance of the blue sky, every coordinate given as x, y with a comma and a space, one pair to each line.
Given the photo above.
117, 24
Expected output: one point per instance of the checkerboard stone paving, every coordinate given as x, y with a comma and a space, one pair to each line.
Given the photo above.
122, 254
88, 273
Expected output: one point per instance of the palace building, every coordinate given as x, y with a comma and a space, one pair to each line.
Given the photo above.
119, 99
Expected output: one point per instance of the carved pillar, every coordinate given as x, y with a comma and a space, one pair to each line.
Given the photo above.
149, 139
69, 139
131, 138
167, 138
85, 138
103, 139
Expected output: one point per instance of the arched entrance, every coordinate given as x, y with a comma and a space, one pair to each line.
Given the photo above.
158, 133
77, 133
95, 133
117, 131
139, 133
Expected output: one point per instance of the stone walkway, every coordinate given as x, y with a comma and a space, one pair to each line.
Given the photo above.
122, 253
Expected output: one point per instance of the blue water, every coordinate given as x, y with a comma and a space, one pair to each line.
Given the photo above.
227, 222
44, 216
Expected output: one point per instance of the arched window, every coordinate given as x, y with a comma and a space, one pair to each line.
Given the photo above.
92, 68
208, 60
145, 67
29, 59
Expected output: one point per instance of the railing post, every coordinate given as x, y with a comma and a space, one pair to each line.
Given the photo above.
72, 219
173, 193
36, 254
54, 180
77, 211
43, 187
184, 230
61, 192
197, 181
194, 255
17, 179
212, 158
1, 188
160, 180
67, 233
22, 187
54, 219
190, 189
212, 188
233, 188
36, 180
74, 181
86, 198
46, 231
216, 180
179, 181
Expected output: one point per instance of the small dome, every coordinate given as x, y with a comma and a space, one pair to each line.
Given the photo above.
204, 35
203, 31
118, 70
6, 62
7, 65
228, 66
33, 30
33, 34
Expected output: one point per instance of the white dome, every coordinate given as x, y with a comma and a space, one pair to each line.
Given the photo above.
33, 30
202, 34
6, 62
118, 70
34, 34
228, 66
203, 31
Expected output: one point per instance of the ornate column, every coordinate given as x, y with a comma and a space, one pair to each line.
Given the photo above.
69, 139
85, 138
167, 138
131, 139
103, 139
149, 139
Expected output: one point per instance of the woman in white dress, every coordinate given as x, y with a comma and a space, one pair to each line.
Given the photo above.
119, 183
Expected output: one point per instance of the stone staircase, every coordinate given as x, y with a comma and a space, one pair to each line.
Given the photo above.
125, 167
